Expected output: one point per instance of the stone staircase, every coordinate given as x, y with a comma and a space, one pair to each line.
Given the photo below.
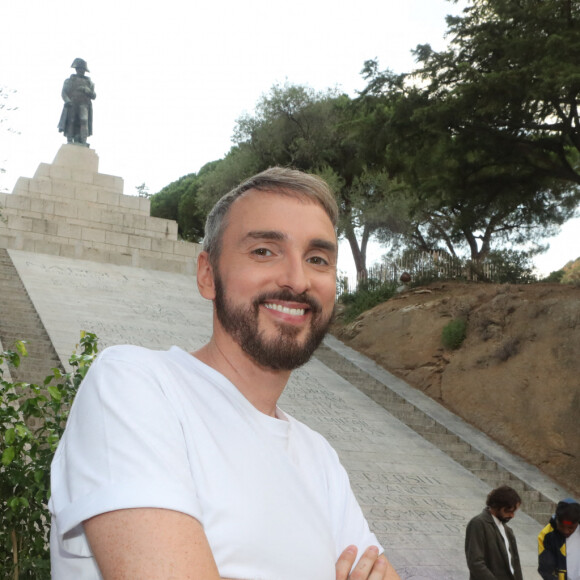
534, 503
20, 321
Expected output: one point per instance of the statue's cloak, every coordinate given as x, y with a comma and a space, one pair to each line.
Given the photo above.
66, 111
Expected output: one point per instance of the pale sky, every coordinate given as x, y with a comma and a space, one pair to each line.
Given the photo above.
172, 77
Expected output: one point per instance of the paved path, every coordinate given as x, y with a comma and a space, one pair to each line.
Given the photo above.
416, 498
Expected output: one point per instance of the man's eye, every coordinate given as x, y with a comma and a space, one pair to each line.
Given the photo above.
262, 252
318, 261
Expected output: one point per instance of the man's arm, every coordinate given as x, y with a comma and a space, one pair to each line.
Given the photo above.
475, 551
150, 543
371, 566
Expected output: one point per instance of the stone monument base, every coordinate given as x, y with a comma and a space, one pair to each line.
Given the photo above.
70, 209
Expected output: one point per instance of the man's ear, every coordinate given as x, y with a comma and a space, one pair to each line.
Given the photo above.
205, 279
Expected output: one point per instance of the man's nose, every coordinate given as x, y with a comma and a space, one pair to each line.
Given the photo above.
293, 274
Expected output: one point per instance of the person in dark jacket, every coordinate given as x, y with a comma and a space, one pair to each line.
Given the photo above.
490, 546
557, 541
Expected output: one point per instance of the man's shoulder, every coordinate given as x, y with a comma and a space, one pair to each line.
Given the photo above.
484, 517
550, 536
126, 351
134, 355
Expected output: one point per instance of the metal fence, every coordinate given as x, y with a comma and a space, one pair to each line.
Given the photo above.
422, 266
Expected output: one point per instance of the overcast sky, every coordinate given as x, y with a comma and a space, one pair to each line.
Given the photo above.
172, 77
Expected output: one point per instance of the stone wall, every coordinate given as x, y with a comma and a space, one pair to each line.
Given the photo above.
70, 209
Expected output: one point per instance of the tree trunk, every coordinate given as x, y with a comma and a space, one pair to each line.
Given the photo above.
358, 254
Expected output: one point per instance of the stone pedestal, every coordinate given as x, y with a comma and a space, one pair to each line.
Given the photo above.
70, 209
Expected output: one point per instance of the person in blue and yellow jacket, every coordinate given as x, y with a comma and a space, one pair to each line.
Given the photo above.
559, 544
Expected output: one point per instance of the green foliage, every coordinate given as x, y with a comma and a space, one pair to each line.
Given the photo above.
572, 273
26, 453
338, 138
477, 147
487, 139
454, 333
177, 201
369, 294
554, 277
221, 176
165, 203
511, 266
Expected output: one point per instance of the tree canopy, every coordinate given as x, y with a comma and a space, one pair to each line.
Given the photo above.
479, 146
486, 135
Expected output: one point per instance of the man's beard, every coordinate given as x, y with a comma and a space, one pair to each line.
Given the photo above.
281, 352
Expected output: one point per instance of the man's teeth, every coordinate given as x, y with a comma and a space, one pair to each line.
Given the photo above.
286, 310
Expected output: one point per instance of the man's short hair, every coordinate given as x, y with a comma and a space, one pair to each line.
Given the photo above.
503, 497
568, 510
277, 180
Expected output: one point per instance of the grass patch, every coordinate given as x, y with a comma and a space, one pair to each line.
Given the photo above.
453, 333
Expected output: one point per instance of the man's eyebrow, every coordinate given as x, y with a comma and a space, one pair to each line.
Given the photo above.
275, 235
266, 235
322, 244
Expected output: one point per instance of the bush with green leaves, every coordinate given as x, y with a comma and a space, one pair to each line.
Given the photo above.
26, 454
554, 277
510, 266
454, 333
368, 294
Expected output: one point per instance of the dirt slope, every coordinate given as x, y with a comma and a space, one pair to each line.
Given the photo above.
517, 374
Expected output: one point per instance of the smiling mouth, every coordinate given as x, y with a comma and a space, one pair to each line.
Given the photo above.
285, 309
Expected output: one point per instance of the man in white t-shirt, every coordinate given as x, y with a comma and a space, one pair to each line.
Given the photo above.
181, 466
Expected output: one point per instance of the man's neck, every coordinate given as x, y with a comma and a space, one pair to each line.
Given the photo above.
261, 386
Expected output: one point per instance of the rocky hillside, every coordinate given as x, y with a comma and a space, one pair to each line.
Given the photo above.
516, 376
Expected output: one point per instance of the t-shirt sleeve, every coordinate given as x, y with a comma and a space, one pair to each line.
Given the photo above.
123, 448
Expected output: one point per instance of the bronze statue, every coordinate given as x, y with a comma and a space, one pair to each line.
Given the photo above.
76, 121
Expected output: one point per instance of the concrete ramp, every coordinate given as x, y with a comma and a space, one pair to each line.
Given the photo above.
417, 499
120, 304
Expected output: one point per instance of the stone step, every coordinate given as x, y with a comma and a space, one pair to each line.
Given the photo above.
48, 212
20, 321
476, 462
497, 477
428, 428
464, 458
414, 419
27, 332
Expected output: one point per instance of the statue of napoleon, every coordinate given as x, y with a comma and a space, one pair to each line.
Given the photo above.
76, 121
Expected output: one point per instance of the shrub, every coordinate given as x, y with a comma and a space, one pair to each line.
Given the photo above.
555, 276
511, 267
453, 333
26, 454
368, 294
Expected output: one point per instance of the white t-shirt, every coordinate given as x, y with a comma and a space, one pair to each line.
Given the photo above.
573, 555
161, 429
